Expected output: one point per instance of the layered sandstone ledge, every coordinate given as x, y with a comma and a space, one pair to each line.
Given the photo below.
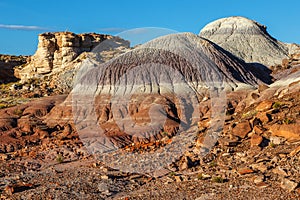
56, 50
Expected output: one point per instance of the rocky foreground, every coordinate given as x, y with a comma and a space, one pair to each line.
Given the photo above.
256, 157
44, 153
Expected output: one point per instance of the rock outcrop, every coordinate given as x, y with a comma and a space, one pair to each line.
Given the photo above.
287, 67
59, 55
7, 64
248, 40
57, 50
294, 60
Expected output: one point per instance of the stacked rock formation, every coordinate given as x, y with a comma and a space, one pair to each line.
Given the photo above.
56, 50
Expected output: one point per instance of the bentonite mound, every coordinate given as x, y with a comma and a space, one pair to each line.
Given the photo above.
246, 39
200, 62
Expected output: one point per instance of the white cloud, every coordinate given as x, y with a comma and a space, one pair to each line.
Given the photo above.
22, 27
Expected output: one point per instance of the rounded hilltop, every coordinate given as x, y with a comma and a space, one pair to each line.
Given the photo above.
246, 39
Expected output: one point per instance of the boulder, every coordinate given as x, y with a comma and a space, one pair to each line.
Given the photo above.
264, 106
256, 140
291, 132
241, 129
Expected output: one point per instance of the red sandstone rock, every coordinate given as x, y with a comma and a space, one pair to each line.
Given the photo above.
241, 129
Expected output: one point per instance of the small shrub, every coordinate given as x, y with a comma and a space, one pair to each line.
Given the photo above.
217, 179
271, 144
200, 177
213, 164
287, 121
18, 112
59, 158
276, 105
2, 106
172, 174
249, 114
165, 134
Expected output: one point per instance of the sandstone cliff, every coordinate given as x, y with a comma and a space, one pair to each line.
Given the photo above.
56, 50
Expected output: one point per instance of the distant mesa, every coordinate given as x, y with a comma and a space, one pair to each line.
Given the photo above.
248, 40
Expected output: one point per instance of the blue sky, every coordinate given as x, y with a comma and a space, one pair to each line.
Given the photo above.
21, 21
